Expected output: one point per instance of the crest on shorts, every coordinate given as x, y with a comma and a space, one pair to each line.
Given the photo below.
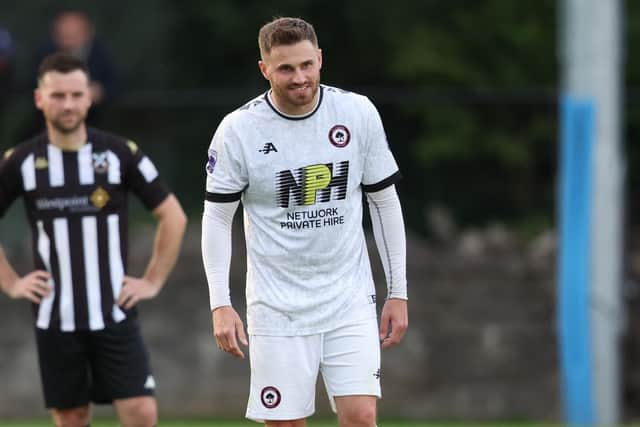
100, 162
270, 397
339, 136
212, 160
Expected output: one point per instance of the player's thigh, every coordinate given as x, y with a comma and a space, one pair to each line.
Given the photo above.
120, 363
351, 360
137, 411
63, 359
284, 371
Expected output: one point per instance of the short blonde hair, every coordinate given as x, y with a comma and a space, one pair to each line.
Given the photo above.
285, 31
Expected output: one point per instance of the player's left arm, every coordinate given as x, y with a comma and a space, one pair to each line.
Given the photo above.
171, 225
389, 233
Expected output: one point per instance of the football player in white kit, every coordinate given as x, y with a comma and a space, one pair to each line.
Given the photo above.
299, 158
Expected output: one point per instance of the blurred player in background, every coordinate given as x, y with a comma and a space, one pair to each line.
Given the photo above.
7, 66
73, 32
299, 158
74, 181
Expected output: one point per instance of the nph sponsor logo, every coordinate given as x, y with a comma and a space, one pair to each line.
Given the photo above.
312, 184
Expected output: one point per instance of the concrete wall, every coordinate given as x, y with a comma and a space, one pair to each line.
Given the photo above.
481, 342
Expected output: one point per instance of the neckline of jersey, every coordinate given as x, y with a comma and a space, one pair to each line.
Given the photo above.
70, 150
290, 117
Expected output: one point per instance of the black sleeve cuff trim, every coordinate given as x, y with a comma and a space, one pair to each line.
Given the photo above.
372, 188
222, 198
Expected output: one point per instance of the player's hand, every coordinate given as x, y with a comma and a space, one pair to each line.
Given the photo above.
34, 286
393, 322
228, 329
134, 290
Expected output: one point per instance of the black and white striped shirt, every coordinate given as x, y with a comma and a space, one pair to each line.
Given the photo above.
76, 204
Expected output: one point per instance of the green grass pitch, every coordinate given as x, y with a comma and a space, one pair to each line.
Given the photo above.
246, 423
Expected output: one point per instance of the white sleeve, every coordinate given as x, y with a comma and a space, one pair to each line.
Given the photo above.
217, 219
227, 175
389, 233
380, 167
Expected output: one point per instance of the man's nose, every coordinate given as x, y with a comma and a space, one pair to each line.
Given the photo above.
299, 76
68, 102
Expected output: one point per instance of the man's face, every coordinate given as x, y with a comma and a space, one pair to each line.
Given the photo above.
64, 99
294, 74
72, 31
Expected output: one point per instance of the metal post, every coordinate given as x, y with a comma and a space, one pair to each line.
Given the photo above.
592, 75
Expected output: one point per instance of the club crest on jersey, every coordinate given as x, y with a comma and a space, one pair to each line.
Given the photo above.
339, 136
212, 160
100, 162
270, 397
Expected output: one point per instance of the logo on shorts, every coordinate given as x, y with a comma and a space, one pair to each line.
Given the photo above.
377, 374
270, 397
339, 136
150, 383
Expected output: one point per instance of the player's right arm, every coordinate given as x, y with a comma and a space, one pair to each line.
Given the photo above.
227, 178
34, 286
228, 328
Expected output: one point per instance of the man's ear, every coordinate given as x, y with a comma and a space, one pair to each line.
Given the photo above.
37, 98
263, 69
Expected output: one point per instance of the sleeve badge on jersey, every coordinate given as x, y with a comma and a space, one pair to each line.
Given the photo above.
8, 153
132, 146
211, 161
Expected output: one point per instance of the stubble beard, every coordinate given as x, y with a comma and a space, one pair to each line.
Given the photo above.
66, 129
284, 93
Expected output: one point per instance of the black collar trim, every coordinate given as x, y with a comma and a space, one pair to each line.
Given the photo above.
302, 117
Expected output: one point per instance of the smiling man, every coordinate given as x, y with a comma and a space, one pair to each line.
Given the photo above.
299, 158
74, 181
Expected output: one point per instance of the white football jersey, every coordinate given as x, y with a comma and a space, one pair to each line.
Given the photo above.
300, 179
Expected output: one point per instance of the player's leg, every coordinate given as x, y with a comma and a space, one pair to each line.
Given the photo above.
137, 411
63, 361
122, 374
351, 370
290, 423
284, 372
356, 411
72, 417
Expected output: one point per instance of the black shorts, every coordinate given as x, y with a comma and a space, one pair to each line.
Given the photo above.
93, 366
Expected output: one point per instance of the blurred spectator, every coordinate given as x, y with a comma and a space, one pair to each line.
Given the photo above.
7, 54
74, 33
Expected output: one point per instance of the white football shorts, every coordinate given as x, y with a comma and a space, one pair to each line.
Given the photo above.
284, 370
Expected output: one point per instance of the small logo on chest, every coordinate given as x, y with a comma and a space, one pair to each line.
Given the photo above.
99, 198
268, 148
100, 162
